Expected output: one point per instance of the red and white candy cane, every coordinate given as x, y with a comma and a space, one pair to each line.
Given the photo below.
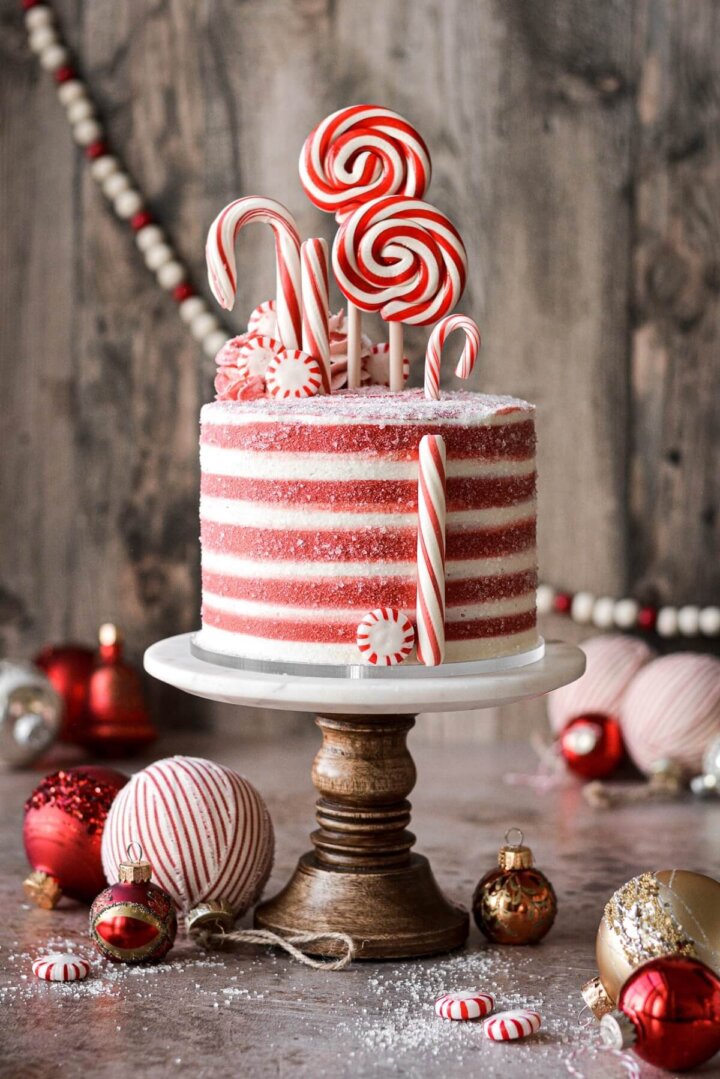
430, 603
433, 355
316, 306
403, 258
507, 1026
222, 270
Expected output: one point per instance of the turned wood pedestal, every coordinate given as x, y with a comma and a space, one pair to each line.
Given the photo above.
362, 876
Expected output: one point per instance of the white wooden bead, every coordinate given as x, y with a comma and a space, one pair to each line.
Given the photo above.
625, 613
213, 343
81, 109
171, 274
149, 236
667, 623
544, 598
157, 255
39, 16
104, 166
53, 57
688, 619
116, 183
128, 203
43, 38
87, 131
71, 91
581, 609
709, 621
191, 308
203, 325
603, 612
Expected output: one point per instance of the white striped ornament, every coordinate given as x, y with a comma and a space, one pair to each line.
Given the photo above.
464, 1005
672, 711
385, 637
61, 967
316, 306
292, 373
430, 604
222, 268
510, 1025
433, 355
205, 830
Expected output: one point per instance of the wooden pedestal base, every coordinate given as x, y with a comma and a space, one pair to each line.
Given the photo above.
362, 878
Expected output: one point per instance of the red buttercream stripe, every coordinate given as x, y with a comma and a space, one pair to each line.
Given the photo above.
510, 441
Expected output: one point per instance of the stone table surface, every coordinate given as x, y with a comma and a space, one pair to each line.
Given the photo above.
257, 1013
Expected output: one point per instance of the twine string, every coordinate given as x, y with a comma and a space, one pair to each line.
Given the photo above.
290, 944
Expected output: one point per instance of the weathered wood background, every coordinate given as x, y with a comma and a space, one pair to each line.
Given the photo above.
576, 144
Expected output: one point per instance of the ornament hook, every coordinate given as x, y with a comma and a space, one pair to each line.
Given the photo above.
134, 845
519, 832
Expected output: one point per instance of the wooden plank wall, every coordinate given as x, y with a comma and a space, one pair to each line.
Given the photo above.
576, 144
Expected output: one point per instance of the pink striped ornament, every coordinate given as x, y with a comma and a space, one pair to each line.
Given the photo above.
430, 603
316, 306
671, 710
433, 355
205, 830
464, 1005
613, 660
510, 1025
292, 373
61, 967
222, 269
385, 637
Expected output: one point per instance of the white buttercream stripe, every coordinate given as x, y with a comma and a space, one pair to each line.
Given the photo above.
468, 612
246, 417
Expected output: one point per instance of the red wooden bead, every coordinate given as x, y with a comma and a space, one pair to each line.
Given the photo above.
64, 74
183, 292
141, 219
647, 617
96, 149
562, 603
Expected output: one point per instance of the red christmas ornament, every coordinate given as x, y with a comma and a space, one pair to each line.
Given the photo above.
668, 1013
64, 820
68, 667
133, 921
592, 745
118, 720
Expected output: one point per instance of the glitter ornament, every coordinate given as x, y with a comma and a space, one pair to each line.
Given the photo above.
591, 745
133, 921
30, 714
205, 829
62, 832
668, 1013
61, 967
673, 911
118, 722
515, 903
68, 667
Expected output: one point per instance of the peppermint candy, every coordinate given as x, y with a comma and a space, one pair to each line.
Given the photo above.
263, 320
61, 967
255, 355
385, 637
464, 1005
292, 373
507, 1026
377, 365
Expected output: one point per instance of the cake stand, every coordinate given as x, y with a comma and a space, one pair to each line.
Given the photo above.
362, 877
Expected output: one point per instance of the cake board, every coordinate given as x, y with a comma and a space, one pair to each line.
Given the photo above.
362, 877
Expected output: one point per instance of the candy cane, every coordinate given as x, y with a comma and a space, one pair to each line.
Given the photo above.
430, 603
433, 356
222, 272
316, 306
355, 155
403, 258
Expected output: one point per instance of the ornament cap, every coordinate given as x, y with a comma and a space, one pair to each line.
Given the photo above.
597, 997
137, 869
215, 915
617, 1031
42, 889
515, 855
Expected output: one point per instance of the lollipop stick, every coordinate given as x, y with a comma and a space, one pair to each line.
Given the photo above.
353, 346
397, 382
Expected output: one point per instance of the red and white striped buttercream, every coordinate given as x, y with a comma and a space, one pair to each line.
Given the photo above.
510, 1025
61, 967
222, 270
433, 355
464, 1005
205, 830
431, 547
385, 637
292, 373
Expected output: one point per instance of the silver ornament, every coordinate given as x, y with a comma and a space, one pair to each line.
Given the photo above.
30, 714
711, 759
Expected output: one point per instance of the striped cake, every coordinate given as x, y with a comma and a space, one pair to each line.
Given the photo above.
309, 521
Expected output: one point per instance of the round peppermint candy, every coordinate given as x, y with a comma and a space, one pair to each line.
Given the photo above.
61, 967
385, 637
263, 320
464, 1005
377, 365
507, 1026
292, 373
256, 354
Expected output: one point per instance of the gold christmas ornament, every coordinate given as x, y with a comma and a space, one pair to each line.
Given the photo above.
515, 903
671, 912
